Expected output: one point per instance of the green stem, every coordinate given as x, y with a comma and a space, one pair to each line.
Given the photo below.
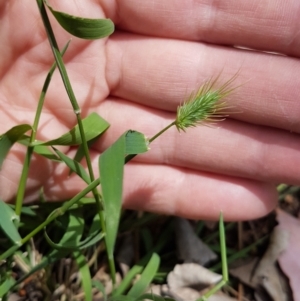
74, 103
217, 287
223, 248
161, 132
29, 152
69, 89
225, 278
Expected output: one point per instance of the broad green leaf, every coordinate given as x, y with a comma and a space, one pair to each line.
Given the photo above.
7, 218
8, 139
85, 275
93, 126
74, 166
73, 232
111, 165
84, 28
146, 278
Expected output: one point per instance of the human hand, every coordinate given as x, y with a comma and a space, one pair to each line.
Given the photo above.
138, 77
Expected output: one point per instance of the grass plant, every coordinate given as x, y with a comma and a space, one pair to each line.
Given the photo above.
82, 230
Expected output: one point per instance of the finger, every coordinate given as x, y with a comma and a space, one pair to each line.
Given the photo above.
230, 147
161, 73
268, 25
175, 191
195, 195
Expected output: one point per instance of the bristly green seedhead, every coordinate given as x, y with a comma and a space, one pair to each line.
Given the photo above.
206, 106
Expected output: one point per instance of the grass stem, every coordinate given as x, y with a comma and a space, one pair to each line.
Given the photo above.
26, 164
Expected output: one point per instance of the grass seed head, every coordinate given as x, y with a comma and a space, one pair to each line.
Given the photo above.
206, 106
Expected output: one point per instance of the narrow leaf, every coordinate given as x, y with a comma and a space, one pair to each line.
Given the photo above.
84, 28
44, 151
80, 151
85, 275
146, 278
94, 233
41, 150
7, 218
8, 139
6, 286
111, 165
100, 287
74, 166
93, 126
73, 232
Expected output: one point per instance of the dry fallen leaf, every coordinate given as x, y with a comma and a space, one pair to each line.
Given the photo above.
289, 259
186, 280
190, 247
263, 275
267, 274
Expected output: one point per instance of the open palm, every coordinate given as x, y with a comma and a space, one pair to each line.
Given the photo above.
161, 51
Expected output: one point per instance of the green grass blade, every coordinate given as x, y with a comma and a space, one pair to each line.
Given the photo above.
8, 139
84, 28
93, 126
225, 278
223, 248
163, 240
73, 231
44, 151
146, 278
85, 275
126, 282
111, 165
80, 151
94, 234
40, 149
74, 166
6, 286
7, 223
100, 287
43, 95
